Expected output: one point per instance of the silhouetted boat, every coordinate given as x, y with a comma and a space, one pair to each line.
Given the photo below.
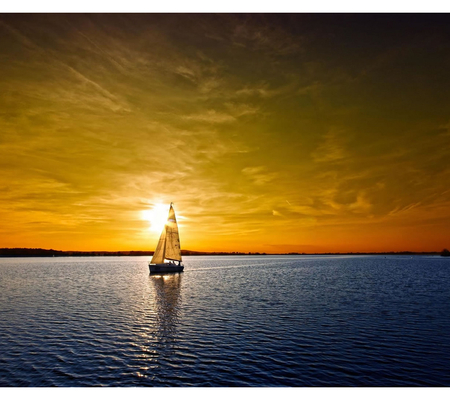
167, 256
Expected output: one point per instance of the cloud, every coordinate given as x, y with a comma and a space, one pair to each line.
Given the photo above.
265, 90
114, 103
23, 39
258, 175
234, 111
259, 89
361, 205
211, 116
398, 210
241, 109
331, 148
264, 36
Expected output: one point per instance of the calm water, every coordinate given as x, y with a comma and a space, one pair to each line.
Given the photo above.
226, 321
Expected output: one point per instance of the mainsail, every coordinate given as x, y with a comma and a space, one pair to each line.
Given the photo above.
169, 243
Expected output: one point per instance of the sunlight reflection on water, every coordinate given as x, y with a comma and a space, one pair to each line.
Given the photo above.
225, 321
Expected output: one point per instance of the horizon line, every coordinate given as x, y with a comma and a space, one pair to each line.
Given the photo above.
194, 252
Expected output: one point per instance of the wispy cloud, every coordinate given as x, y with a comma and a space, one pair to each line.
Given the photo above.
330, 149
241, 109
258, 175
212, 116
264, 36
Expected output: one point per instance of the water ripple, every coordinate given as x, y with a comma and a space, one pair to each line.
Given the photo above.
226, 321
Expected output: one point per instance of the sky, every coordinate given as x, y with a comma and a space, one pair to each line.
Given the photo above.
269, 132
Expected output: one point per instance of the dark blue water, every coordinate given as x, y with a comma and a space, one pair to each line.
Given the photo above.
226, 321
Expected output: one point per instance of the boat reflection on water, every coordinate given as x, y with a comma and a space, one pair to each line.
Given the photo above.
167, 292
158, 337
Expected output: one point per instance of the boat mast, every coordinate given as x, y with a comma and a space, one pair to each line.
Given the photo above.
165, 243
165, 238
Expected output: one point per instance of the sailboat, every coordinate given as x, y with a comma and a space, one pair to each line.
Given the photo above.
167, 256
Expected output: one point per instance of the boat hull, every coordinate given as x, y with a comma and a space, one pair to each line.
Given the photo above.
165, 268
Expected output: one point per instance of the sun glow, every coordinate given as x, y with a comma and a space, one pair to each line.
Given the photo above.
157, 217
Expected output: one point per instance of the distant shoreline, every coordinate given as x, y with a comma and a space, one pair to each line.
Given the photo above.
30, 252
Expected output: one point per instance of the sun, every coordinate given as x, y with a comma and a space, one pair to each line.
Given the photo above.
157, 217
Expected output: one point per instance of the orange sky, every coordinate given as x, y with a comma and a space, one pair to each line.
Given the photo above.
270, 133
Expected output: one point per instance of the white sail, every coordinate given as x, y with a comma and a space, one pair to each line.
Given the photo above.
158, 255
169, 243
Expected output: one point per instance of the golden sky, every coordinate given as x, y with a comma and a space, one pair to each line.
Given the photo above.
269, 133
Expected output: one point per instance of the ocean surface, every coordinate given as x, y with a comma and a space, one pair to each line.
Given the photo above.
226, 321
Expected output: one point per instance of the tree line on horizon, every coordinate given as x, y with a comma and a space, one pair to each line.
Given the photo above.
38, 252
